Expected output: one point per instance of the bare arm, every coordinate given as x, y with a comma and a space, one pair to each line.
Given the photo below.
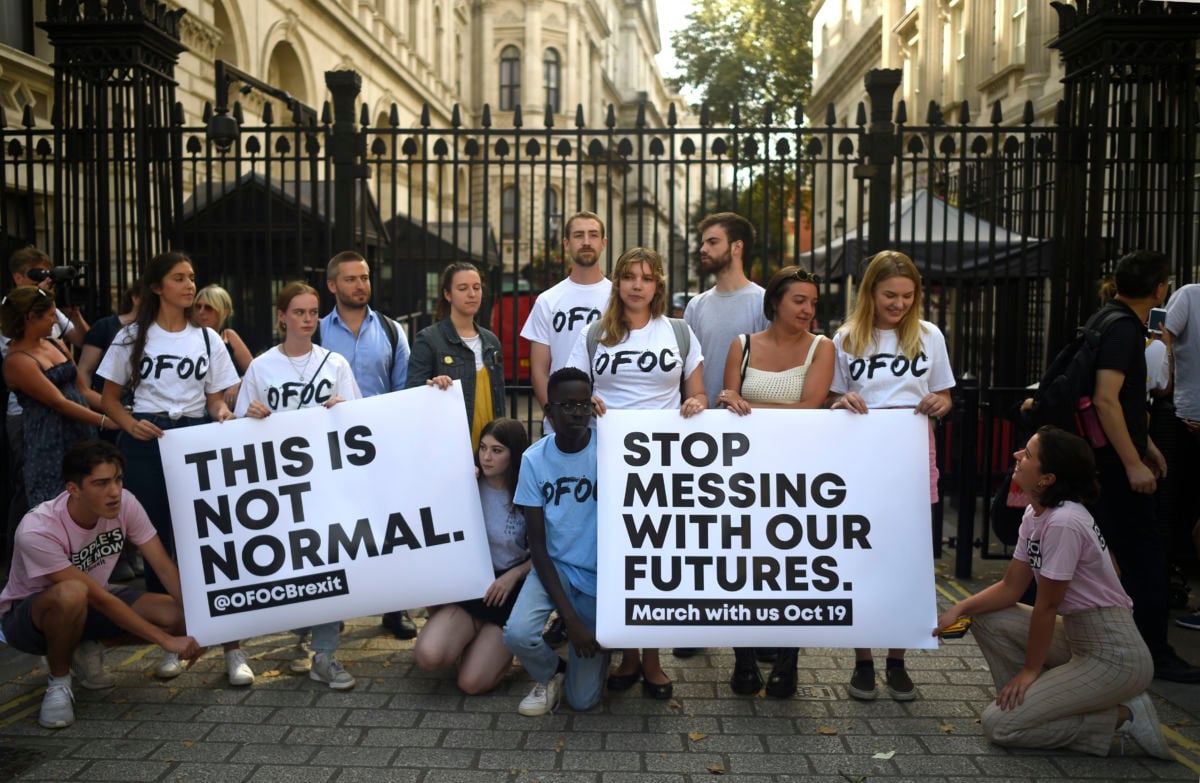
1112, 421
110, 403
23, 372
89, 360
1000, 595
539, 370
241, 354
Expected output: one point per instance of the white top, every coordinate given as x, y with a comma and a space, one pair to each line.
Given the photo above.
1158, 370
885, 378
177, 369
717, 318
1183, 321
61, 327
476, 345
289, 383
783, 388
643, 371
560, 315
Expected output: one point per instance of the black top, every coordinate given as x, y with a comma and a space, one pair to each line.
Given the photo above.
1123, 349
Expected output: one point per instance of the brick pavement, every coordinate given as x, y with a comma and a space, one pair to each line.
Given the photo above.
400, 724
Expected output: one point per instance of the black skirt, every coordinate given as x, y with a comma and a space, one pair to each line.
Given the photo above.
496, 615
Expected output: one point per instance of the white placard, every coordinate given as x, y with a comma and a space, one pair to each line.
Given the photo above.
780, 528
323, 514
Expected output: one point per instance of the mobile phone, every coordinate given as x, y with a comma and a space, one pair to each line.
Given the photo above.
957, 629
1158, 315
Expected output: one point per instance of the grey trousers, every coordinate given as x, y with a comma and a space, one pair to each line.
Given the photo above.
1096, 661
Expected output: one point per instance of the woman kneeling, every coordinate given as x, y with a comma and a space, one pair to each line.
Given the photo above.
1072, 670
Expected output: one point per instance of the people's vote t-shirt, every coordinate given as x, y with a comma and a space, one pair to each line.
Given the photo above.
642, 372
885, 377
284, 383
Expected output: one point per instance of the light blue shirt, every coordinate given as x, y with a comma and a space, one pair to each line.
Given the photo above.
564, 486
368, 353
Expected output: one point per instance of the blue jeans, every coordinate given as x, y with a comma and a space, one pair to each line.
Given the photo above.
523, 635
325, 637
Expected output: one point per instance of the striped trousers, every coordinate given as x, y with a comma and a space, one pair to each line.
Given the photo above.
1096, 661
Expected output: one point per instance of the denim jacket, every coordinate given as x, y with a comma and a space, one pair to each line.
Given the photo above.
438, 350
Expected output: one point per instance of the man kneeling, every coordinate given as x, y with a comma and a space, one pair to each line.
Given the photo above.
57, 601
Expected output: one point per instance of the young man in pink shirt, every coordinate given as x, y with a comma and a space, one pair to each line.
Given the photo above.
58, 602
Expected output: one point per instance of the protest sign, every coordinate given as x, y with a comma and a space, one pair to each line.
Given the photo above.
323, 514
780, 528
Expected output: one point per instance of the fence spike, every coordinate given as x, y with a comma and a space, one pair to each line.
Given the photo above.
268, 113
207, 114
610, 117
548, 117
735, 115
394, 115
579, 115
297, 114
456, 117
997, 113
27, 116
831, 115
364, 116
326, 114
704, 118
177, 116
1060, 113
964, 112
518, 116
933, 116
672, 117
860, 116
486, 119
640, 120
425, 119
799, 117
1027, 116
902, 112
768, 113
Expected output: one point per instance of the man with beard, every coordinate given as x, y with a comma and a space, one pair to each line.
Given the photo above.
378, 353
562, 313
731, 307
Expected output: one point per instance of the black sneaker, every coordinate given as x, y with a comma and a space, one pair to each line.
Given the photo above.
862, 683
899, 684
1169, 666
400, 624
686, 652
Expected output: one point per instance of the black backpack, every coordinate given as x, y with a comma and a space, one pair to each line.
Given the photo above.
1071, 375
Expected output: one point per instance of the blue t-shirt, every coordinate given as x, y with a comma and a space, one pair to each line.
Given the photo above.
564, 486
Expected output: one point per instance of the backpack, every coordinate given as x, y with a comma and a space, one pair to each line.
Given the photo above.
683, 339
1067, 385
389, 328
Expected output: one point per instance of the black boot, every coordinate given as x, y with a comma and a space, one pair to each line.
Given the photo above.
782, 682
746, 681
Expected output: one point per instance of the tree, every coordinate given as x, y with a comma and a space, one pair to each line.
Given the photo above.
748, 52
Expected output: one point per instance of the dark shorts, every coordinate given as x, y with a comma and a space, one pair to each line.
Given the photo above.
496, 615
21, 634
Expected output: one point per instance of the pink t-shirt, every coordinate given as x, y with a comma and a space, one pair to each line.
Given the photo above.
49, 540
1065, 544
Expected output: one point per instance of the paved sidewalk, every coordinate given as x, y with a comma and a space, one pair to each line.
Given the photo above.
400, 724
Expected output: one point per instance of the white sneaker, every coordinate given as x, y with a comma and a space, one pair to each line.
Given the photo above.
58, 707
543, 698
87, 664
301, 659
169, 667
1143, 727
328, 669
239, 671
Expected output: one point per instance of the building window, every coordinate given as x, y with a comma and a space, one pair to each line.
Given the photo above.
16, 24
508, 212
1018, 30
958, 21
510, 78
553, 218
552, 76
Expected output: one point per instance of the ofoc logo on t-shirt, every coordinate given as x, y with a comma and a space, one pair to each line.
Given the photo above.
580, 488
567, 319
898, 365
664, 360
182, 367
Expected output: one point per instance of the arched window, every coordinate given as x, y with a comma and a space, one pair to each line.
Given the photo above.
508, 212
552, 76
510, 78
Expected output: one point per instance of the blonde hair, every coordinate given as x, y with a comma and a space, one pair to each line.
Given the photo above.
613, 328
218, 299
285, 297
860, 326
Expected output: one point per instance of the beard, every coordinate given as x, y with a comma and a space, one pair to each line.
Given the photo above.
714, 264
585, 258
